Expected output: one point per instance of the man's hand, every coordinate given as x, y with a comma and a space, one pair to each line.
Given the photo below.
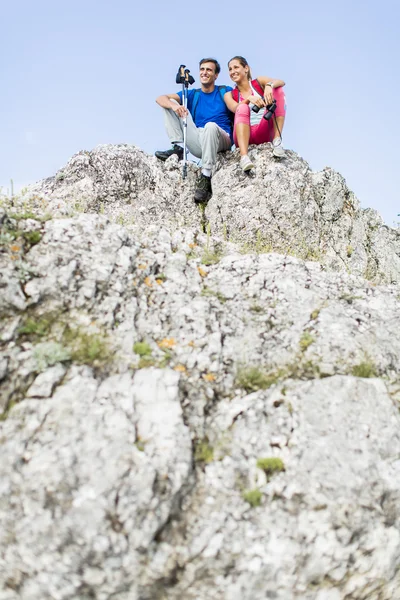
180, 110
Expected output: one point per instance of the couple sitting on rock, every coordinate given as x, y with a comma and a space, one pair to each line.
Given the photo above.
209, 128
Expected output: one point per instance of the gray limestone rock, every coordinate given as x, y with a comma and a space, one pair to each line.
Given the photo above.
198, 404
282, 205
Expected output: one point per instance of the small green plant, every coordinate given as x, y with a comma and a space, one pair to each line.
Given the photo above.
306, 340
349, 251
6, 238
300, 369
270, 465
140, 444
253, 378
209, 292
160, 277
32, 237
90, 349
349, 298
365, 369
142, 349
203, 452
261, 245
38, 327
23, 216
166, 359
256, 308
211, 257
146, 362
315, 314
48, 354
253, 497
5, 413
87, 348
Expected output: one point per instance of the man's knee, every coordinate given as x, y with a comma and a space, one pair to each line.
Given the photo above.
211, 128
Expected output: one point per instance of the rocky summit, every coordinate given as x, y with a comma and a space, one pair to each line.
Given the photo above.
198, 402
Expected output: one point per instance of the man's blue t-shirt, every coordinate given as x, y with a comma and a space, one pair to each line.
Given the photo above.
210, 107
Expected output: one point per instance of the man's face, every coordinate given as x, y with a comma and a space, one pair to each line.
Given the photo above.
207, 74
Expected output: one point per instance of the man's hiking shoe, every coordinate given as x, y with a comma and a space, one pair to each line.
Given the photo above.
164, 154
277, 148
246, 163
203, 191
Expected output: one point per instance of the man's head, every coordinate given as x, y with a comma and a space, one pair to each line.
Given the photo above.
209, 71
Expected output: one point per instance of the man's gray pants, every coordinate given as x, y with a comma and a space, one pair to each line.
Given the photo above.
203, 142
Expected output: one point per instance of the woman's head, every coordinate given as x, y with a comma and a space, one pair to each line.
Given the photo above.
239, 68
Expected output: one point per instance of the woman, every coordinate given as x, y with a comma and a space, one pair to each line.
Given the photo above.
250, 127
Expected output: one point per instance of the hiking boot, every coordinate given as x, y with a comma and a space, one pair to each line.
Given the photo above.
277, 148
164, 154
246, 163
203, 191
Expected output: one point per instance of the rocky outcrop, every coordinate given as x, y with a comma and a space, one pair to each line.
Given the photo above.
283, 206
190, 407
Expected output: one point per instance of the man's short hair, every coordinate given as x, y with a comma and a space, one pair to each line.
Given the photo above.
213, 60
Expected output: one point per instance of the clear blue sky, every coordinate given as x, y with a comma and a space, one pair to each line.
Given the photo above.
75, 74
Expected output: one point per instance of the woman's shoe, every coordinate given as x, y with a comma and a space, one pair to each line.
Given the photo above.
277, 148
246, 163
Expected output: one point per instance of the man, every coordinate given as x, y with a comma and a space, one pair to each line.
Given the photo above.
209, 129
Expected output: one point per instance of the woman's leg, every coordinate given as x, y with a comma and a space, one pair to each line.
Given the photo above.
280, 112
241, 129
271, 130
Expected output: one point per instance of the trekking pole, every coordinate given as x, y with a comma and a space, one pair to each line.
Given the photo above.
183, 76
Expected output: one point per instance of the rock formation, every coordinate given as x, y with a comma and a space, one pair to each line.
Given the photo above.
198, 402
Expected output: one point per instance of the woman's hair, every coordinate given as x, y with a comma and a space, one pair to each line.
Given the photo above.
243, 62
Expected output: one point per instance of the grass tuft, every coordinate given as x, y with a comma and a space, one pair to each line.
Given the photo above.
365, 369
270, 465
252, 379
203, 452
253, 497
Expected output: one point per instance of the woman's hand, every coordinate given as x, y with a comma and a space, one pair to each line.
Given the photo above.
255, 100
268, 97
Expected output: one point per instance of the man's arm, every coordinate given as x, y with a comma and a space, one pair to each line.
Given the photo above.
165, 102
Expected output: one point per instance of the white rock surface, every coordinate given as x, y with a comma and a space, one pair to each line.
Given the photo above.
133, 357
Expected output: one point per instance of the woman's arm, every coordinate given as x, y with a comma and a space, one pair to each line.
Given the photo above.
268, 84
230, 102
275, 82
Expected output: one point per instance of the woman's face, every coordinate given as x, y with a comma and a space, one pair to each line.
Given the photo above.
236, 71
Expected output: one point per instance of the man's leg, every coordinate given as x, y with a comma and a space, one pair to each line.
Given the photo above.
213, 139
174, 127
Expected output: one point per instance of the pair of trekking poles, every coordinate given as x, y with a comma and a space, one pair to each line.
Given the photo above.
184, 77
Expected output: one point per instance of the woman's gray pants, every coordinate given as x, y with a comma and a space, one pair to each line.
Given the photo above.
203, 142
